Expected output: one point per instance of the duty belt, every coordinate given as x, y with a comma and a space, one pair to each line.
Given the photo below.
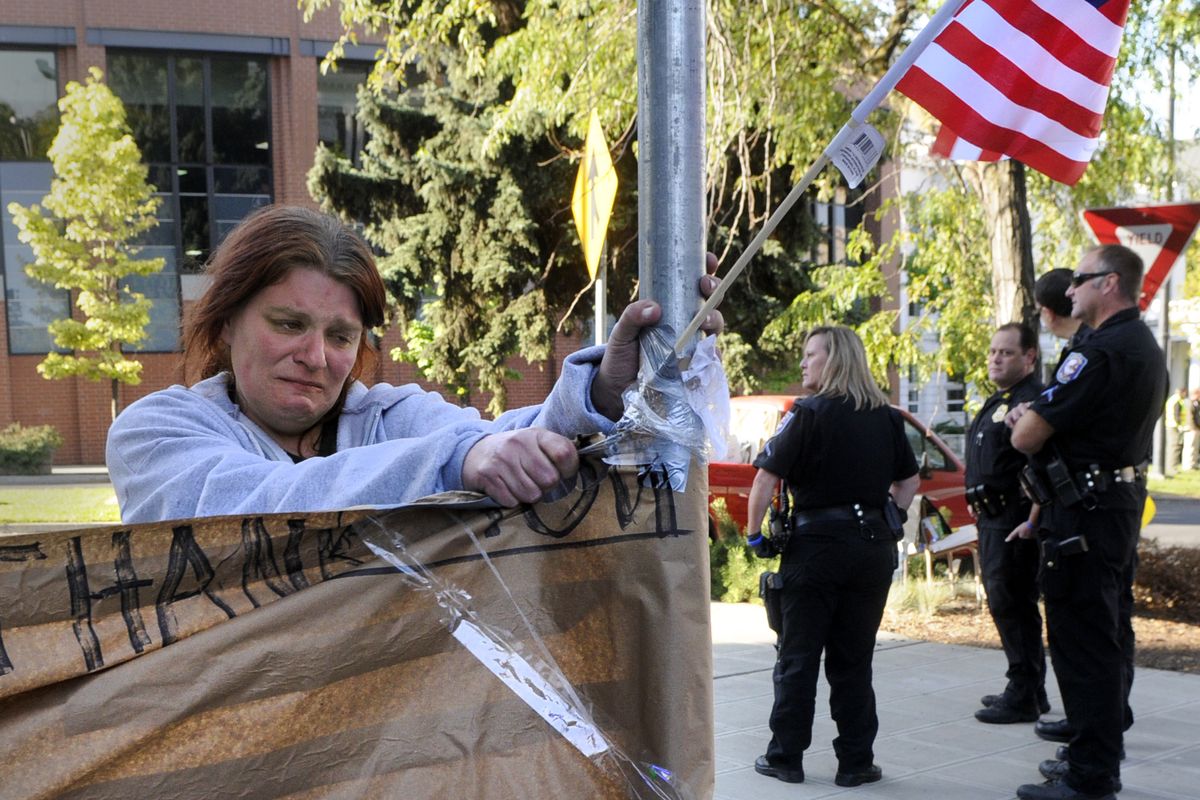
1094, 478
985, 500
855, 513
1069, 488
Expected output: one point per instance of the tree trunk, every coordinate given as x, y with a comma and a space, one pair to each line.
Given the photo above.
1010, 237
116, 396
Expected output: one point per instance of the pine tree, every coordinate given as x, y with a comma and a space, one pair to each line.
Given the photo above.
82, 237
477, 242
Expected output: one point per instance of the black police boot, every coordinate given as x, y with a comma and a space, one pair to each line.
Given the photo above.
1055, 770
1057, 790
1060, 730
989, 700
1063, 753
786, 774
1005, 713
858, 777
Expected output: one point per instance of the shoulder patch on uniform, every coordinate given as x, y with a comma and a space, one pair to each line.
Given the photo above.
1070, 368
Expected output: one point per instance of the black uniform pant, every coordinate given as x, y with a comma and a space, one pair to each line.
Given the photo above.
1010, 577
1089, 603
834, 591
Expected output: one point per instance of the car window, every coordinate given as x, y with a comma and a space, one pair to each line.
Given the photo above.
750, 426
916, 438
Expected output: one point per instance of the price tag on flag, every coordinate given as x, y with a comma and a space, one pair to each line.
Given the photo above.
859, 154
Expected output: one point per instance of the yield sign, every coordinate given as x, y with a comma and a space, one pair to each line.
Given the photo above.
1159, 234
595, 190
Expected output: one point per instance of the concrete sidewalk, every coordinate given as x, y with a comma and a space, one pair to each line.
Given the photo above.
929, 744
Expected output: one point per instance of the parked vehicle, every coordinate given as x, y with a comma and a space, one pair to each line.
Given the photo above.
755, 418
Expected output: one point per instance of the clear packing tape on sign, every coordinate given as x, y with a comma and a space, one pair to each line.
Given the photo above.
672, 415
442, 649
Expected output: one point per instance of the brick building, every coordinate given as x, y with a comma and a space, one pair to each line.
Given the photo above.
227, 104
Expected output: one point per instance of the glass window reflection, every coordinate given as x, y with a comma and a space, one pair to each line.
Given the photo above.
28, 104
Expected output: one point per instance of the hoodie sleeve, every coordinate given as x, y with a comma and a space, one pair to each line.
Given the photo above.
175, 455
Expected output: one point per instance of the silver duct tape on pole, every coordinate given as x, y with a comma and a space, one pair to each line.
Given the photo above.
671, 218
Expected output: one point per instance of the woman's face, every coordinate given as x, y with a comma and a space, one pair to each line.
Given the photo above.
292, 348
815, 353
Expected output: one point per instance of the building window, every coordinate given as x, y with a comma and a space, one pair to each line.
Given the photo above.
30, 304
202, 124
914, 390
28, 124
338, 126
956, 396
28, 104
834, 223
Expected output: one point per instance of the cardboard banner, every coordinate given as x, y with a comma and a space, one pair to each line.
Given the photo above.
278, 657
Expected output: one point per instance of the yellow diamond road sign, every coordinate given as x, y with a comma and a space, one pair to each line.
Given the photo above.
595, 190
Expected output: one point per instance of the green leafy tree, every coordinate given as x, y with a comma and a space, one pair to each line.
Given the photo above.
477, 246
83, 236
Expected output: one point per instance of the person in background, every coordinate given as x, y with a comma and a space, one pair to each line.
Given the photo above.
842, 456
1054, 307
1089, 435
994, 493
279, 420
1194, 424
1176, 414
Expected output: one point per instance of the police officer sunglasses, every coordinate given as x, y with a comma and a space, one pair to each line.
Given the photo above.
1080, 278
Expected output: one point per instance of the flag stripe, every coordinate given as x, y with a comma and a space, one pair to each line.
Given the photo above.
952, 146
1017, 83
996, 108
1063, 40
945, 104
1099, 28
1030, 56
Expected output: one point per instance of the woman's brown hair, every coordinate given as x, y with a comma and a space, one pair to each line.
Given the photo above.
260, 252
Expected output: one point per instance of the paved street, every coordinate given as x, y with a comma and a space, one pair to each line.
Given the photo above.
1176, 522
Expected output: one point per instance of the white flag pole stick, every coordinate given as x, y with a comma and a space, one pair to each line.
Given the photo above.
857, 117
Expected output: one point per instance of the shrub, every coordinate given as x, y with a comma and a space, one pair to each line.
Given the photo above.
734, 568
27, 451
1166, 585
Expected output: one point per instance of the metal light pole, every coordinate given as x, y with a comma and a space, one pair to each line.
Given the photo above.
671, 227
671, 130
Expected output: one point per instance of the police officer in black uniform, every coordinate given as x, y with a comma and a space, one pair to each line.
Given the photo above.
1090, 436
841, 454
994, 494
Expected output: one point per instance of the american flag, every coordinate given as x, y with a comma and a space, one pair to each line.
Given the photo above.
1022, 78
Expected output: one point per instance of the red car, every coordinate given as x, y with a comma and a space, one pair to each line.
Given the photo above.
755, 418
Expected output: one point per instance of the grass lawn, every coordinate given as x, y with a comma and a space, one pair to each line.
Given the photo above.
1183, 484
58, 504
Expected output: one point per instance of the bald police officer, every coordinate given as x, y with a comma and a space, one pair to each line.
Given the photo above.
1089, 434
994, 493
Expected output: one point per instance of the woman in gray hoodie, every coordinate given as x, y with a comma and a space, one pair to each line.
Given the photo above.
278, 420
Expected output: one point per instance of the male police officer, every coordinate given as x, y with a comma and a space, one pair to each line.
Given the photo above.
1009, 567
1090, 434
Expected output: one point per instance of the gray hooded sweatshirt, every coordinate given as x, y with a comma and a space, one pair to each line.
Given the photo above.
190, 452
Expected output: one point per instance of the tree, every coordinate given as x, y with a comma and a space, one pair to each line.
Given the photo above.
82, 237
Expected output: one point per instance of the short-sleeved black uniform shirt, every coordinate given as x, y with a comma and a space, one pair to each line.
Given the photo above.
991, 458
1105, 397
833, 455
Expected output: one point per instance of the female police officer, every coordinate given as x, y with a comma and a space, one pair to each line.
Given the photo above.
840, 454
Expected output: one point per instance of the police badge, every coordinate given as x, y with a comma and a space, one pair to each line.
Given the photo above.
999, 413
1070, 368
